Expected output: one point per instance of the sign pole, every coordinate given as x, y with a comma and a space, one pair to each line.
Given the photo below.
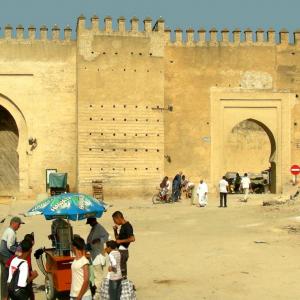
295, 170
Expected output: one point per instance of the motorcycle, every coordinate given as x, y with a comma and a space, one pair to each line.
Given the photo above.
159, 198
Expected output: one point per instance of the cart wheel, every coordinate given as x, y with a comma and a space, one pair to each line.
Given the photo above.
49, 288
155, 199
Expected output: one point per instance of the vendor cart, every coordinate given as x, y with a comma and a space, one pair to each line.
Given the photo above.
57, 271
55, 263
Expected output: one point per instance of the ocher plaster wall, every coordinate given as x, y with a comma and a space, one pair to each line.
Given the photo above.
190, 73
120, 131
39, 77
90, 102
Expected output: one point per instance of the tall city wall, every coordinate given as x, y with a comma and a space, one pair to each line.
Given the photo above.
98, 105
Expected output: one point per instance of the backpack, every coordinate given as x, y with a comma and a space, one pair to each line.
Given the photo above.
13, 289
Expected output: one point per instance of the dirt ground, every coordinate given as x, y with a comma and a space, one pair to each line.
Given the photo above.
245, 251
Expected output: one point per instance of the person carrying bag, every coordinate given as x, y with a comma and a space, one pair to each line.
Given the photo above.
18, 277
16, 292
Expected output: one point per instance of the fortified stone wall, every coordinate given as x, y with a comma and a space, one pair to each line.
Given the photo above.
38, 80
97, 105
120, 86
241, 62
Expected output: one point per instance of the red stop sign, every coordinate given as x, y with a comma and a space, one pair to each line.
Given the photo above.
295, 170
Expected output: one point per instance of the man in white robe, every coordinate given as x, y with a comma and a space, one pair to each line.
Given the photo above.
202, 192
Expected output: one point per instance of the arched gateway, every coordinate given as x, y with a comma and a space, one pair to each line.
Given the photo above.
13, 144
271, 111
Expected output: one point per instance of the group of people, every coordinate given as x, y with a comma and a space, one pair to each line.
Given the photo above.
224, 188
182, 184
17, 274
90, 259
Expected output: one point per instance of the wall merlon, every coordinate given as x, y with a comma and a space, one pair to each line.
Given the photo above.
108, 24
213, 38
160, 25
225, 35
260, 35
44, 32
297, 37
236, 35
190, 37
202, 35
148, 24
271, 36
55, 33
134, 24
284, 36
95, 23
31, 32
80, 23
121, 24
168, 36
8, 31
178, 36
67, 33
248, 35
20, 32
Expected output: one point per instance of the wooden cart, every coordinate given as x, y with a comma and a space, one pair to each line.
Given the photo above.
57, 271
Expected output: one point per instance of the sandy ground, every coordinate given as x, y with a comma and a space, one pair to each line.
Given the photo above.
184, 252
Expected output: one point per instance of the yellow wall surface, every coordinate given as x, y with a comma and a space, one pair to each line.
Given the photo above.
120, 130
97, 105
38, 79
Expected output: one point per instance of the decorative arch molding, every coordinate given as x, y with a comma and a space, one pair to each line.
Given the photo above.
269, 109
19, 118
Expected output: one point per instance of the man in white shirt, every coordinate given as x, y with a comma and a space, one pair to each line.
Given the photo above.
8, 246
246, 185
202, 192
223, 187
18, 289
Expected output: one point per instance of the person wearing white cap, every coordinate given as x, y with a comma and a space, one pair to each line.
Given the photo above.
8, 247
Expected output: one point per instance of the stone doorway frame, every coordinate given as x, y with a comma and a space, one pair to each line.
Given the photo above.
270, 108
19, 118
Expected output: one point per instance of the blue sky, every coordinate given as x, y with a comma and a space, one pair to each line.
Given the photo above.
182, 14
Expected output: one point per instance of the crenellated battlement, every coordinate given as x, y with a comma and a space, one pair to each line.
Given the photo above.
122, 29
44, 34
237, 37
145, 28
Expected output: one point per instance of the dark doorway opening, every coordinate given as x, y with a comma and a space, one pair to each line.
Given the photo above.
9, 158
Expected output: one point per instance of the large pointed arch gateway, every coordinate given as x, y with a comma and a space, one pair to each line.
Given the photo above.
270, 110
251, 147
13, 145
